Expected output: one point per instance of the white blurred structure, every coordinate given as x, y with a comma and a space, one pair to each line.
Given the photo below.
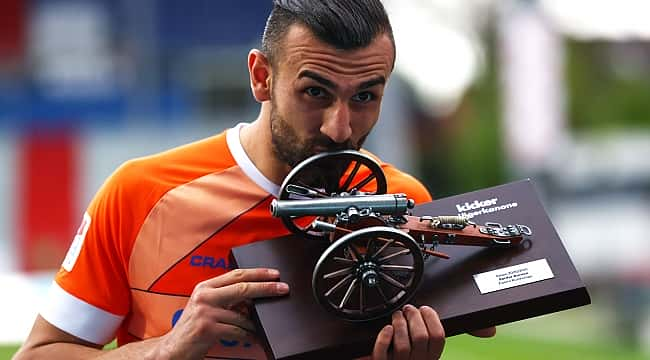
532, 78
70, 49
600, 19
8, 184
22, 296
438, 48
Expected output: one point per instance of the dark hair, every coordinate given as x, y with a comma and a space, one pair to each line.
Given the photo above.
344, 24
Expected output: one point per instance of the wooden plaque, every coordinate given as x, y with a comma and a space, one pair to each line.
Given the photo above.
296, 327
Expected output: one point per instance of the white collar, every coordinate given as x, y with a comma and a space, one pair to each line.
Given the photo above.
245, 163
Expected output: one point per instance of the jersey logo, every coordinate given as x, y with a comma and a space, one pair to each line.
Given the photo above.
77, 243
210, 262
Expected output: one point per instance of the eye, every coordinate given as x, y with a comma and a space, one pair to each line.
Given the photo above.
364, 97
315, 91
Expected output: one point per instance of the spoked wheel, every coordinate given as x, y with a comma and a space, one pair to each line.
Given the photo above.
329, 174
368, 273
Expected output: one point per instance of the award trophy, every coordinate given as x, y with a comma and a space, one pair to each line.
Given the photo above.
358, 253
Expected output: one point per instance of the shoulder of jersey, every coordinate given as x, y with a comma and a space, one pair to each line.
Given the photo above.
178, 165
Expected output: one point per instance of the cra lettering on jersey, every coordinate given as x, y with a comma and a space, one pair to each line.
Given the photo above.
77, 243
210, 262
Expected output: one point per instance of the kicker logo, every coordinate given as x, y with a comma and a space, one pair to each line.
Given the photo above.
210, 262
469, 210
476, 205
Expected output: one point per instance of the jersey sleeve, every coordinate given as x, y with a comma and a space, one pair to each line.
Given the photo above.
89, 297
401, 182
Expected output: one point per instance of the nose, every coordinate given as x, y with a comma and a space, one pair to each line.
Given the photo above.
336, 124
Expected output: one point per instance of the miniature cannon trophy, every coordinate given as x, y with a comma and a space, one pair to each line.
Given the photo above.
377, 250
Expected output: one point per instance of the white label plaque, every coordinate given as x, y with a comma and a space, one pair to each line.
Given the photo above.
512, 276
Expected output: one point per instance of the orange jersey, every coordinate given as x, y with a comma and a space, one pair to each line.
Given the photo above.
160, 225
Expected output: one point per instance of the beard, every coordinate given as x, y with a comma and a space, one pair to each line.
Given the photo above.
290, 149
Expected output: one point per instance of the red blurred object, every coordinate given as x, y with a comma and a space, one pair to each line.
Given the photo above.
47, 213
12, 30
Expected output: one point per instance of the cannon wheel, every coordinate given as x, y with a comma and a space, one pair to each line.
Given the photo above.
326, 175
368, 274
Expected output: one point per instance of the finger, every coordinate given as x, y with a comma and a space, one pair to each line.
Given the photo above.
232, 332
234, 294
418, 332
234, 318
230, 295
436, 331
380, 351
241, 275
401, 342
484, 333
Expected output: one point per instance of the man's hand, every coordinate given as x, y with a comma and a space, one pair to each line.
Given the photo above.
414, 333
212, 312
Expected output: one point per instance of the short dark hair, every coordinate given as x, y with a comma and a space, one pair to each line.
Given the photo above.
343, 24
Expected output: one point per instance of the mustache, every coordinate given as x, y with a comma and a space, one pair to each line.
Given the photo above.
328, 144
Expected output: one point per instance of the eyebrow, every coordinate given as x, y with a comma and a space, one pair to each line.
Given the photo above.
329, 83
372, 82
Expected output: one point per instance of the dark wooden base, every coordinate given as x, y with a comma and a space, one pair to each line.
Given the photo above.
296, 327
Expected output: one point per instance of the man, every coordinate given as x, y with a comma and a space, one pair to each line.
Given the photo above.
148, 263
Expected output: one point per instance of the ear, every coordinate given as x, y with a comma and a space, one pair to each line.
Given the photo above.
259, 70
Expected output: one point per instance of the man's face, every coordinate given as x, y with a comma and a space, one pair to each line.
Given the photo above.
324, 99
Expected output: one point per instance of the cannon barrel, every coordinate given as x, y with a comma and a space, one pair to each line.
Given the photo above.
386, 204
